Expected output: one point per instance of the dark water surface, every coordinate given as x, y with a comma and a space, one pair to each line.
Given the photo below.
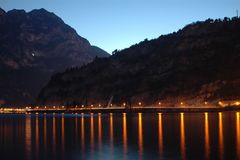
120, 136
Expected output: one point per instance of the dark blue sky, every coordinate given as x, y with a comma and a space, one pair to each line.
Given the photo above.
117, 24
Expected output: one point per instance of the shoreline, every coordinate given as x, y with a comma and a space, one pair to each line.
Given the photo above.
127, 110
139, 110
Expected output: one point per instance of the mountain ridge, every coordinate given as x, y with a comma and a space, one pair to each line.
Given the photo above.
196, 64
37, 43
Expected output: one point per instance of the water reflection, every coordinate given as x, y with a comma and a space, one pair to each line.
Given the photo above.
37, 137
76, 127
111, 131
182, 136
238, 135
54, 134
82, 135
99, 131
91, 133
160, 134
140, 135
45, 132
28, 135
124, 135
63, 135
207, 142
221, 145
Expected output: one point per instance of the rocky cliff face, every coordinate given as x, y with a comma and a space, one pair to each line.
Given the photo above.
196, 64
33, 46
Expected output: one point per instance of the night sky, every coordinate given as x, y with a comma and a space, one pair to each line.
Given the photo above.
117, 24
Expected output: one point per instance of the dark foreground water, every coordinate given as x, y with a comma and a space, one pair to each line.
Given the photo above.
120, 136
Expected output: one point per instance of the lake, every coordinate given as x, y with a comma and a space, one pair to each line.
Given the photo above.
120, 136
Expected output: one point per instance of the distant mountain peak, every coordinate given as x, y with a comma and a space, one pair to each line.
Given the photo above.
2, 12
34, 45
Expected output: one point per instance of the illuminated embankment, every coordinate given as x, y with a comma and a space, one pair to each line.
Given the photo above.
134, 109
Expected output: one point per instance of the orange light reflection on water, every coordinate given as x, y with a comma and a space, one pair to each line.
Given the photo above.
45, 132
28, 135
182, 137
63, 135
37, 137
111, 130
92, 132
221, 136
160, 134
125, 135
140, 135
207, 142
99, 131
238, 135
76, 127
82, 135
54, 135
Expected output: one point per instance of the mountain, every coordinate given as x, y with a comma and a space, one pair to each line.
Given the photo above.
33, 46
195, 64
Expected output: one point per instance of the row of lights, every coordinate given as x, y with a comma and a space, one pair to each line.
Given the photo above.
124, 104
